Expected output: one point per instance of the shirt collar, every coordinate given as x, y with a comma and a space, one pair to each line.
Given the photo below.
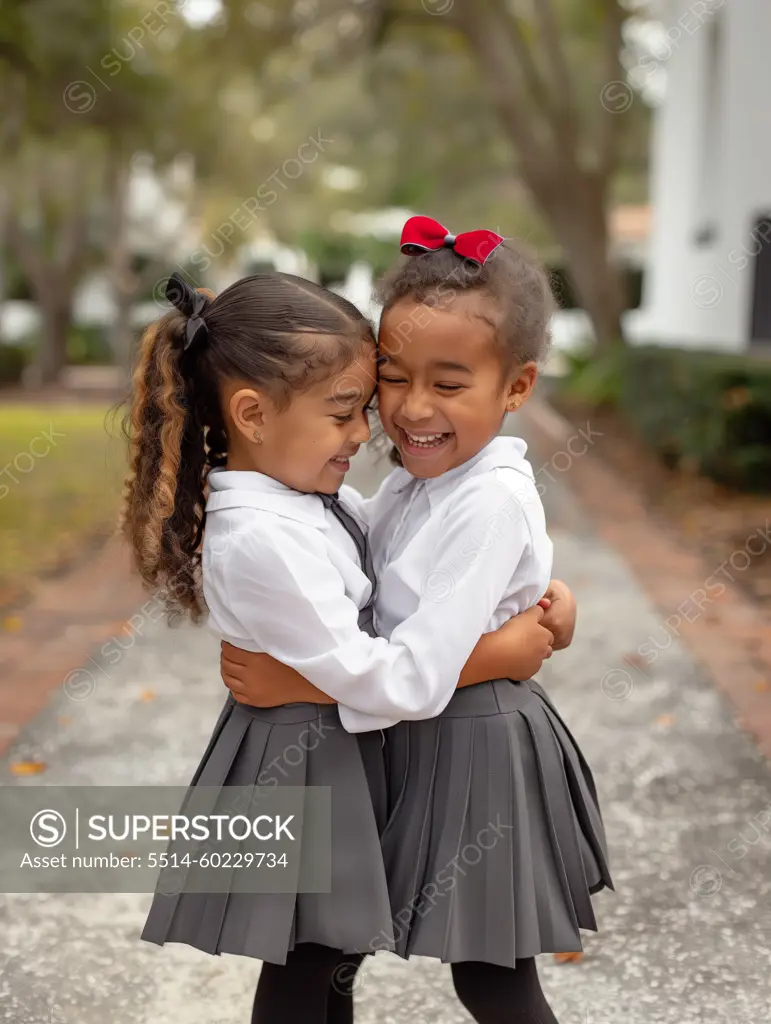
230, 488
500, 453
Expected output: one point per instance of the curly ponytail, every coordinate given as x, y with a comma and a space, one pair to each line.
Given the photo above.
279, 331
164, 494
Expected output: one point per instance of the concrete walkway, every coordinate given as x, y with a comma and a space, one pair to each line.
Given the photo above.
687, 801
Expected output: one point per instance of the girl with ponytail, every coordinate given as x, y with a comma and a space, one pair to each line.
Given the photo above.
245, 411
170, 452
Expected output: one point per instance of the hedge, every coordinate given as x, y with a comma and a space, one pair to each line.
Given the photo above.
86, 346
89, 345
704, 411
334, 252
13, 360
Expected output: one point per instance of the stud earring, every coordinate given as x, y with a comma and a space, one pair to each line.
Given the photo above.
257, 436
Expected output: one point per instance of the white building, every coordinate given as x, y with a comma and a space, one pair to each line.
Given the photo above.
708, 279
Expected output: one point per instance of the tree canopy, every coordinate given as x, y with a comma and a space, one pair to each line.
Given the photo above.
506, 113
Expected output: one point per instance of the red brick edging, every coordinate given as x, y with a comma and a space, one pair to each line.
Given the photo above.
66, 621
71, 617
726, 632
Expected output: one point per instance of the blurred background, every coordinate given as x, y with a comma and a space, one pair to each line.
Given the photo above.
625, 141
218, 137
622, 140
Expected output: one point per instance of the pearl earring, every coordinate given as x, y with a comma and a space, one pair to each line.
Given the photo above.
257, 436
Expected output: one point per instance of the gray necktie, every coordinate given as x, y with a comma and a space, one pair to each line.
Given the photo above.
355, 532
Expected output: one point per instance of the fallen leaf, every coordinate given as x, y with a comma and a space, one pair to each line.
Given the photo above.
28, 767
667, 721
634, 659
147, 695
12, 624
568, 958
735, 398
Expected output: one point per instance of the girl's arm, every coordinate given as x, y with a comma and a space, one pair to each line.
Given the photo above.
516, 650
292, 601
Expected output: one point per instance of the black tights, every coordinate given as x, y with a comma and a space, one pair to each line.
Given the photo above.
502, 995
316, 986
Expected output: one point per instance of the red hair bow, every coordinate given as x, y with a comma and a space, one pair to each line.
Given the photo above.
423, 234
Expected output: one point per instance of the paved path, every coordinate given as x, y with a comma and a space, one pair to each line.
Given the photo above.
687, 801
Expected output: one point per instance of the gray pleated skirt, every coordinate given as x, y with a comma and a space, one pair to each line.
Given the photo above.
494, 841
268, 925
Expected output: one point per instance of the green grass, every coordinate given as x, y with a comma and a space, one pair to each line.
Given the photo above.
61, 472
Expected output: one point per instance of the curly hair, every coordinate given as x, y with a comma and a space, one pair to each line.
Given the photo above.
279, 331
522, 302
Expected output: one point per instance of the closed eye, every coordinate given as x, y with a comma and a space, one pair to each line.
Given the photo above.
450, 387
346, 417
392, 380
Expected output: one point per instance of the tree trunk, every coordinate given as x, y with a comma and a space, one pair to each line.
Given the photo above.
598, 288
3, 241
122, 332
580, 225
53, 286
571, 196
125, 284
56, 311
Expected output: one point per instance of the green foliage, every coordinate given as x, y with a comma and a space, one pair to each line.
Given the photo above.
13, 360
334, 253
594, 377
703, 411
634, 287
86, 65
16, 284
89, 346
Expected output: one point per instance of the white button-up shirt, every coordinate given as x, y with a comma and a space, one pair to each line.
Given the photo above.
281, 575
455, 557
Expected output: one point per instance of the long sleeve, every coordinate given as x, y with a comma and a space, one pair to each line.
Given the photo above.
483, 539
290, 600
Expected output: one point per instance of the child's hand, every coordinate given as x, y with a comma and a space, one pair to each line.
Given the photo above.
560, 613
263, 682
530, 642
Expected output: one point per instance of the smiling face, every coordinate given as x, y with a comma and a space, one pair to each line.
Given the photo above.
308, 443
444, 386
